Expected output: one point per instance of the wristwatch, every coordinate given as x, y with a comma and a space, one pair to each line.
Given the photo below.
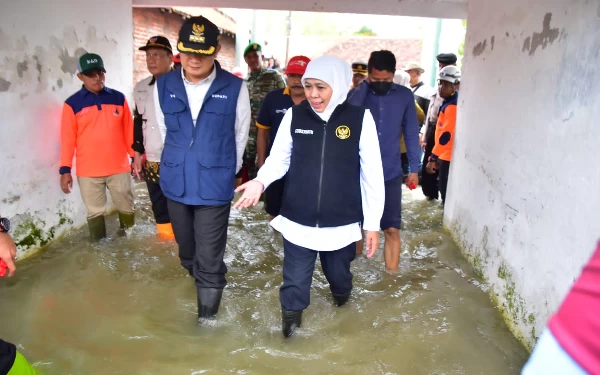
4, 225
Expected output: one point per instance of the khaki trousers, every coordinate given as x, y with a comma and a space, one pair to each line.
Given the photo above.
93, 192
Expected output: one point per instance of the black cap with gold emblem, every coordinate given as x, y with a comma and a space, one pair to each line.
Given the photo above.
360, 68
157, 42
198, 35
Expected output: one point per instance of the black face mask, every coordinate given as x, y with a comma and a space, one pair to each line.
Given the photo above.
381, 87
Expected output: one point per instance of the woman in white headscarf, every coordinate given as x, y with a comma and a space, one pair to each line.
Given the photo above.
330, 152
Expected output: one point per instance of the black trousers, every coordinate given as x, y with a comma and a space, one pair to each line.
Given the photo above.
444, 172
298, 268
429, 182
201, 233
159, 203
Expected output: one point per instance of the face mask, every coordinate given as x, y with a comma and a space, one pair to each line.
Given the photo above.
381, 88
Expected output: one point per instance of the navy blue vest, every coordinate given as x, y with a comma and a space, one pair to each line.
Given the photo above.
198, 163
322, 186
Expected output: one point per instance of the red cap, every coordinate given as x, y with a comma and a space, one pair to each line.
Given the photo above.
297, 65
177, 59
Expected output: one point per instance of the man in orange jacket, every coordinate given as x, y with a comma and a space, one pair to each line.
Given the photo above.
449, 78
97, 128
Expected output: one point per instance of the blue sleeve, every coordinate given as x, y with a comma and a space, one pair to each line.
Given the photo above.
264, 113
410, 129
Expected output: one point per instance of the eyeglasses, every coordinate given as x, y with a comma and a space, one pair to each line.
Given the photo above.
155, 56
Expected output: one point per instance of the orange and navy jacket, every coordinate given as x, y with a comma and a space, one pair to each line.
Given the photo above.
98, 130
444, 131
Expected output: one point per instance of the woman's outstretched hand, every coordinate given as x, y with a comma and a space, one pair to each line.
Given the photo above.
252, 192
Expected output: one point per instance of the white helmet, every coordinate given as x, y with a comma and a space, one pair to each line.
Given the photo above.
449, 73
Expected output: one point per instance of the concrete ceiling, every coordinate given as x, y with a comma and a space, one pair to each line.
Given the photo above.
414, 8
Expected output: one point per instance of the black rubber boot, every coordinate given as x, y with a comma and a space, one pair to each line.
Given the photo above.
341, 300
126, 221
290, 320
209, 300
97, 228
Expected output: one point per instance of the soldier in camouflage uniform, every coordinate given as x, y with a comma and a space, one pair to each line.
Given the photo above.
260, 82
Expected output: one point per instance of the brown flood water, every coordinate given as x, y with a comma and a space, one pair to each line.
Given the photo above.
125, 306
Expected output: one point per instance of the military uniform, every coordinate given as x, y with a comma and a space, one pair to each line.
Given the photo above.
259, 84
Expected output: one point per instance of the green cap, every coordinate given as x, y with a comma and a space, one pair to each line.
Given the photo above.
252, 47
89, 62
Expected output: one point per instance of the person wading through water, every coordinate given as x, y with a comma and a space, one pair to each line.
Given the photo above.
330, 151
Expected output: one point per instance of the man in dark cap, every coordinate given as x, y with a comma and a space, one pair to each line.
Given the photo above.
445, 59
260, 82
204, 117
359, 73
429, 181
147, 138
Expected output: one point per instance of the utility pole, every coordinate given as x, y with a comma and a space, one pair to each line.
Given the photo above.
287, 44
436, 50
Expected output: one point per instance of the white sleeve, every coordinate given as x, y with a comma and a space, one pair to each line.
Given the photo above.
278, 162
372, 184
424, 127
242, 124
160, 117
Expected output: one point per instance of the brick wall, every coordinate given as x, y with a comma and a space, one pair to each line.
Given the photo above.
347, 48
148, 22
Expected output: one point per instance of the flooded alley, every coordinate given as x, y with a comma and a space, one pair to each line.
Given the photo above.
126, 306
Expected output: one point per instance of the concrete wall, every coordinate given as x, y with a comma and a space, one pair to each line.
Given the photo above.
415, 8
523, 193
39, 45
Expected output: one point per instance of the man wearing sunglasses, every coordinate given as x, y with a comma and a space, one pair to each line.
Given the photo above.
97, 128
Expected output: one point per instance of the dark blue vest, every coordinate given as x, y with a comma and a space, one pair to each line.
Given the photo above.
322, 186
198, 163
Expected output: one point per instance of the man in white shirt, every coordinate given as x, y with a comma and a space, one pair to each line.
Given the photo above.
204, 114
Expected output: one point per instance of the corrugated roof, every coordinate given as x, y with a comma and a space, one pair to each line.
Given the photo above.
223, 21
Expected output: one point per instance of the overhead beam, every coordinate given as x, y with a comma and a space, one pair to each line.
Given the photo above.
415, 8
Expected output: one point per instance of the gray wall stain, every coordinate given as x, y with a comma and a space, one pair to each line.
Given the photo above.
493, 42
69, 63
59, 83
479, 48
526, 44
38, 67
23, 95
543, 38
70, 37
4, 85
22, 67
5, 41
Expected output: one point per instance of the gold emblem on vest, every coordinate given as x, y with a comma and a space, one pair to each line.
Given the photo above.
342, 132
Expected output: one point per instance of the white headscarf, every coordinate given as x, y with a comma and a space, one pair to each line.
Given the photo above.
337, 74
402, 78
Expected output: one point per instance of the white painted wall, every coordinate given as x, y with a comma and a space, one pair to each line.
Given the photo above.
523, 193
39, 44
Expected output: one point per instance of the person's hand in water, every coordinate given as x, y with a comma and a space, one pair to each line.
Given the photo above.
8, 252
372, 243
252, 192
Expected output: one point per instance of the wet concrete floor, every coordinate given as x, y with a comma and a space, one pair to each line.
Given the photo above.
125, 306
